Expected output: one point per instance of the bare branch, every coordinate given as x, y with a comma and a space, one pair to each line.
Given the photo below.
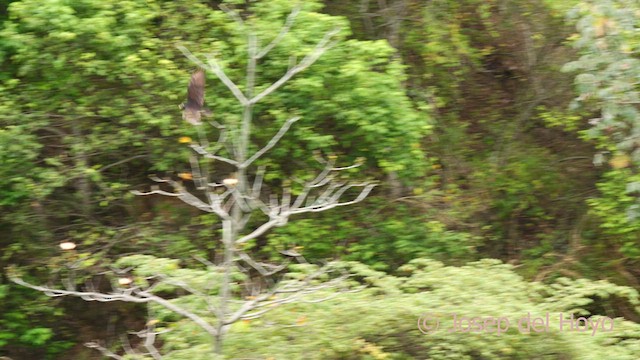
333, 202
320, 49
330, 191
257, 182
240, 200
121, 162
149, 337
286, 200
133, 295
322, 179
259, 231
232, 14
106, 352
213, 207
200, 150
183, 285
217, 69
192, 57
274, 140
285, 29
204, 261
257, 203
273, 202
267, 300
346, 167
127, 345
260, 267
153, 192
222, 138
181, 194
198, 178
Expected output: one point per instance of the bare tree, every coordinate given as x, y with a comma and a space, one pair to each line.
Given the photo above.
235, 200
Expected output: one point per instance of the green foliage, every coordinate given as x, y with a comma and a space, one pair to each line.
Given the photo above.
616, 209
607, 82
380, 321
205, 280
608, 71
521, 184
136, 78
564, 119
576, 296
89, 95
89, 109
383, 235
444, 45
30, 325
351, 100
18, 151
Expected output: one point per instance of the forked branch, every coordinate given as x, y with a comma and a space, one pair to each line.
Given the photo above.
274, 140
322, 46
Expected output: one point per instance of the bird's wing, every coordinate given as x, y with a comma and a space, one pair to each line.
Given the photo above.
195, 91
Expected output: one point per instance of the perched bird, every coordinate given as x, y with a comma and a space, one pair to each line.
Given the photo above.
193, 108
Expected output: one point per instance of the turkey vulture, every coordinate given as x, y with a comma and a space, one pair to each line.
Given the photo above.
193, 108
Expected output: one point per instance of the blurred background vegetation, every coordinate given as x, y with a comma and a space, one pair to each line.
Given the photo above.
498, 129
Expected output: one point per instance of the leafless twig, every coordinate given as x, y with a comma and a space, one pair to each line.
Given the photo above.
285, 29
